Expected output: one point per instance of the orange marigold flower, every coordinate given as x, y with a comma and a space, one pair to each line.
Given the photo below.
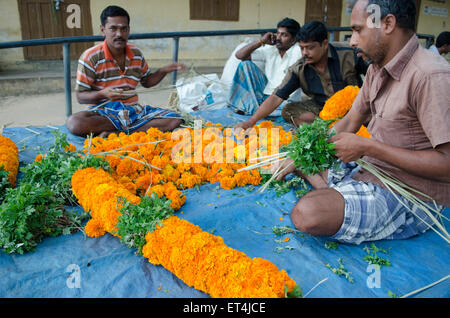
339, 104
363, 132
266, 124
70, 148
38, 158
158, 190
9, 158
227, 183
94, 228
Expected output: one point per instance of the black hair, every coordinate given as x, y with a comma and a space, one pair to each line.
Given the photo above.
291, 25
443, 39
113, 11
313, 31
404, 11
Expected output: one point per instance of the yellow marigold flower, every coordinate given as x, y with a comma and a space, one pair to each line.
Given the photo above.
266, 124
158, 190
240, 153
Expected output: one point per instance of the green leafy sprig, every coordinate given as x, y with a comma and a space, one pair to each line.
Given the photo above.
284, 186
310, 148
137, 220
31, 212
341, 270
36, 209
57, 167
4, 183
373, 257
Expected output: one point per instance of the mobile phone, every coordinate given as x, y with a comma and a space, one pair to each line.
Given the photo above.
274, 38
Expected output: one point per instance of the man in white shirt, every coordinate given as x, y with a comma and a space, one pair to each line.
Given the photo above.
252, 85
442, 44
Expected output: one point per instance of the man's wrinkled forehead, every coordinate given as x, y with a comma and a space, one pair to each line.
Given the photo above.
359, 13
118, 21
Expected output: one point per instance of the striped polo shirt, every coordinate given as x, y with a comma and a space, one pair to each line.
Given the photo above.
97, 70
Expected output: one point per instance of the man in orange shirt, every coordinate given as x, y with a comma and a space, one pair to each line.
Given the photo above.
107, 75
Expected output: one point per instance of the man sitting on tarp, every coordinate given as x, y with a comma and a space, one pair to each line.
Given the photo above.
107, 75
405, 92
251, 85
323, 70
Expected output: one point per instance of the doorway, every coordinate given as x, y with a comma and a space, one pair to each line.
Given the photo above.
327, 11
54, 18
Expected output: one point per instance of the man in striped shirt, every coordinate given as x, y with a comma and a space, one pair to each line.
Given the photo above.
107, 76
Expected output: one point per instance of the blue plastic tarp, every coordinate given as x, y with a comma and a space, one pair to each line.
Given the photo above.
79, 266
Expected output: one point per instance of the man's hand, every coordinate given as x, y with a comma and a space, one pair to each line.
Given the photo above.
287, 164
111, 93
349, 147
157, 77
173, 67
269, 38
244, 125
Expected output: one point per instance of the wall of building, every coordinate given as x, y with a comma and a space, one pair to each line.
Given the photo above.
430, 22
10, 30
151, 16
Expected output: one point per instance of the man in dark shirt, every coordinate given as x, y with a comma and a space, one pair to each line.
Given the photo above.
323, 70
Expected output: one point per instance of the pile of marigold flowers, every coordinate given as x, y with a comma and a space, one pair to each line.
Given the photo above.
9, 158
339, 104
151, 161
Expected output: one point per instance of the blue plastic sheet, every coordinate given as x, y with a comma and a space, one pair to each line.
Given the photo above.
76, 266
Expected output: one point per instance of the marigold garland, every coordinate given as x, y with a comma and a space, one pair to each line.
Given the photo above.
98, 193
339, 104
9, 158
203, 261
200, 259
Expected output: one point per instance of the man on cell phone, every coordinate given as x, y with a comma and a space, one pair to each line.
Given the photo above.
252, 85
323, 70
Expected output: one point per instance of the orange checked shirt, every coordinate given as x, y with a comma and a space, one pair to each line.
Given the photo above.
97, 70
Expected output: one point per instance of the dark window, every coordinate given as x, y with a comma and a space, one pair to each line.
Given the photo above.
221, 10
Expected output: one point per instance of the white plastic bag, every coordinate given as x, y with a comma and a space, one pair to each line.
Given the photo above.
215, 98
201, 93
